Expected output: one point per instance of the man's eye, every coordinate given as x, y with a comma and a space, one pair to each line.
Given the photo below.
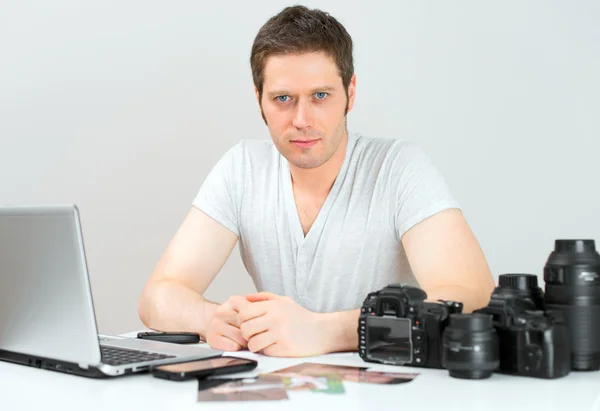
282, 99
320, 95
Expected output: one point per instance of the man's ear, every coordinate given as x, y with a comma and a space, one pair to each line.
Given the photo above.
351, 92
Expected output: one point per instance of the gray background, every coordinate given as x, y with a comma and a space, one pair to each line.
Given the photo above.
124, 106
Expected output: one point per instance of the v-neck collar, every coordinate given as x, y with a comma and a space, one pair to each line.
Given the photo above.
292, 209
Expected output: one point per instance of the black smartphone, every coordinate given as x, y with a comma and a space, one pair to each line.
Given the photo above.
203, 368
181, 337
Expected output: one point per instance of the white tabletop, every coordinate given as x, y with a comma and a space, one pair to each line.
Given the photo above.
24, 388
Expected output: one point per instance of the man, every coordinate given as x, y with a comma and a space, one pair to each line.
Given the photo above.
323, 216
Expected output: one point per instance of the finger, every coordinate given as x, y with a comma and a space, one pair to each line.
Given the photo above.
222, 343
254, 310
261, 341
231, 332
237, 303
263, 296
273, 350
254, 326
228, 316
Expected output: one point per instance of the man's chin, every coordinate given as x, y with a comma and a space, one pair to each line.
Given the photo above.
306, 163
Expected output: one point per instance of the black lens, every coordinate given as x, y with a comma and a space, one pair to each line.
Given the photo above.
470, 346
522, 286
572, 276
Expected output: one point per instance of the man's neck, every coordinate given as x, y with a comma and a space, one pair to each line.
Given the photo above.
319, 180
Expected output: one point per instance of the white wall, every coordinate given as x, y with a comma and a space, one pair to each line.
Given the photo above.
123, 107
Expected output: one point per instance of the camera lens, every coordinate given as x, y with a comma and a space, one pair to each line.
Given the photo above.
572, 276
522, 286
470, 346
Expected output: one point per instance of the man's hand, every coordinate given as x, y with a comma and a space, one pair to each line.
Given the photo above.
280, 327
224, 328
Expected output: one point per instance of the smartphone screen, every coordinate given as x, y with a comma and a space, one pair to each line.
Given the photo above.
203, 365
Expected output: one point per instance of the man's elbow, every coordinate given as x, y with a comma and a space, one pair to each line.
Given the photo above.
484, 293
146, 304
479, 297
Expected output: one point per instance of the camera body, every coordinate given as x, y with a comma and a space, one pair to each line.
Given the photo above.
532, 342
396, 326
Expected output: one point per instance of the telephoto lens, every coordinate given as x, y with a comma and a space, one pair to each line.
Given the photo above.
522, 286
572, 276
470, 346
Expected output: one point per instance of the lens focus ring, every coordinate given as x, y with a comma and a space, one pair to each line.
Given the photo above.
470, 346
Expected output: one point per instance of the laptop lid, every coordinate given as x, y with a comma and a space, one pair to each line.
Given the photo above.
46, 306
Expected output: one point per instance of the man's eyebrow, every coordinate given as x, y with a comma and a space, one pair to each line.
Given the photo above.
322, 88
284, 92
279, 92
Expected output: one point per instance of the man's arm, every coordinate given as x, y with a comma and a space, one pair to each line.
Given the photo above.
172, 298
448, 261
342, 328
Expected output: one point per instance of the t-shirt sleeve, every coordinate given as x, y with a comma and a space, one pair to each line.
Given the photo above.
422, 191
219, 194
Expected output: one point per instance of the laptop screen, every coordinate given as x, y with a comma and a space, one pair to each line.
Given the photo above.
46, 306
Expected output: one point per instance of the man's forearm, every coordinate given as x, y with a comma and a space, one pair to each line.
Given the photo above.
341, 328
170, 306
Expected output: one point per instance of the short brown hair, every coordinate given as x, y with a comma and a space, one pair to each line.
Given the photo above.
295, 30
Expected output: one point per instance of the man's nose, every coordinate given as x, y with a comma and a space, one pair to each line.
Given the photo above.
302, 115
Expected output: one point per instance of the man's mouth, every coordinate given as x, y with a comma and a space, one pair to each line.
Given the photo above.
305, 143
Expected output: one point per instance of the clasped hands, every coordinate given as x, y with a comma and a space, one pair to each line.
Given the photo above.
264, 322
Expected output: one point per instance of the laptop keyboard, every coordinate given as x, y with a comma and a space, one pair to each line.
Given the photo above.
122, 356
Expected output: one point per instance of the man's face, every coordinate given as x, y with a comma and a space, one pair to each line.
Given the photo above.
304, 105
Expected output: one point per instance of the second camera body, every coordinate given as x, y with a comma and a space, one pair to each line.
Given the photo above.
532, 342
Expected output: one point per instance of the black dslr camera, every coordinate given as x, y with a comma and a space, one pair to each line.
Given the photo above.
533, 342
398, 327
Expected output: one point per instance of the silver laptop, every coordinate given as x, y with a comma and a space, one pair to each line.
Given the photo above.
47, 315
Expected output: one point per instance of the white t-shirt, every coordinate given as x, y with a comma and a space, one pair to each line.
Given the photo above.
385, 187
